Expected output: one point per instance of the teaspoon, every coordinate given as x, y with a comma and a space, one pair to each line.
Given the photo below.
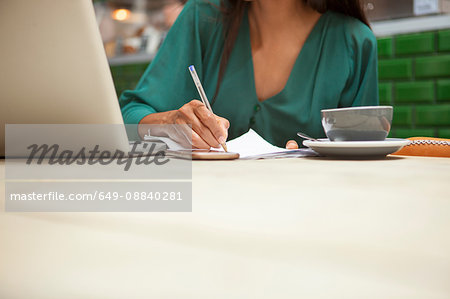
304, 136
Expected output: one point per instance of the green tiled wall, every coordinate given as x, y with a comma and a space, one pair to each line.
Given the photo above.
443, 90
414, 77
415, 91
395, 68
415, 43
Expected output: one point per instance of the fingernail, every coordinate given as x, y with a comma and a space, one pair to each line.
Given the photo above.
222, 139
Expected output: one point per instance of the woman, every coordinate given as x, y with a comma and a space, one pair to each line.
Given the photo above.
267, 65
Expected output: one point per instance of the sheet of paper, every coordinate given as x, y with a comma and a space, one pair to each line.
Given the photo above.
252, 146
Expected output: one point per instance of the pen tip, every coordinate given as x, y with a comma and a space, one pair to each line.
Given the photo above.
224, 145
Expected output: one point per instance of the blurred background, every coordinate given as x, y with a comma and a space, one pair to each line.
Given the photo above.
413, 48
133, 29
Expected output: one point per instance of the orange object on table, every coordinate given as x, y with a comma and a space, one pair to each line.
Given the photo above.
426, 146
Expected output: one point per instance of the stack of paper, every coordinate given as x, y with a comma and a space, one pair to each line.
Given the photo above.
249, 146
252, 146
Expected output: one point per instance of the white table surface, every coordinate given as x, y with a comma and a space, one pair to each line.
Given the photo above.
290, 228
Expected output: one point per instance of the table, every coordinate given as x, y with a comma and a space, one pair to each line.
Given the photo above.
288, 228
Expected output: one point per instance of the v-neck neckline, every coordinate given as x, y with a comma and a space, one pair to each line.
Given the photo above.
299, 56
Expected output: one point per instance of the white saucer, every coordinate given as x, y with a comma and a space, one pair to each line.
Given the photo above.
356, 149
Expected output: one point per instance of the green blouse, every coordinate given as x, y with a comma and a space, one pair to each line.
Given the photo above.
337, 67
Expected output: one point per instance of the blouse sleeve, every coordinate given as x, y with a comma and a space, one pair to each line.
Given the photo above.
166, 84
362, 85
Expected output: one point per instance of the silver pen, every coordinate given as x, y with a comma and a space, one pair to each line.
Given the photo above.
202, 94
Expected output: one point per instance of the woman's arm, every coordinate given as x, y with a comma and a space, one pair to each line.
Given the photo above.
164, 93
362, 85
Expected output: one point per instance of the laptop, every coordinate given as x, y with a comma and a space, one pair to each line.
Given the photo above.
53, 69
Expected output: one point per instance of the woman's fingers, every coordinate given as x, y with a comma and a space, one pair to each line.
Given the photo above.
215, 126
209, 131
225, 123
291, 144
201, 136
186, 136
198, 142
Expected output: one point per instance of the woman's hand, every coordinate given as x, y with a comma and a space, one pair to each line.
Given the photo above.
291, 144
208, 129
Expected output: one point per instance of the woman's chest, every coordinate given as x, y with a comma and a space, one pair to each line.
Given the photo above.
272, 67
